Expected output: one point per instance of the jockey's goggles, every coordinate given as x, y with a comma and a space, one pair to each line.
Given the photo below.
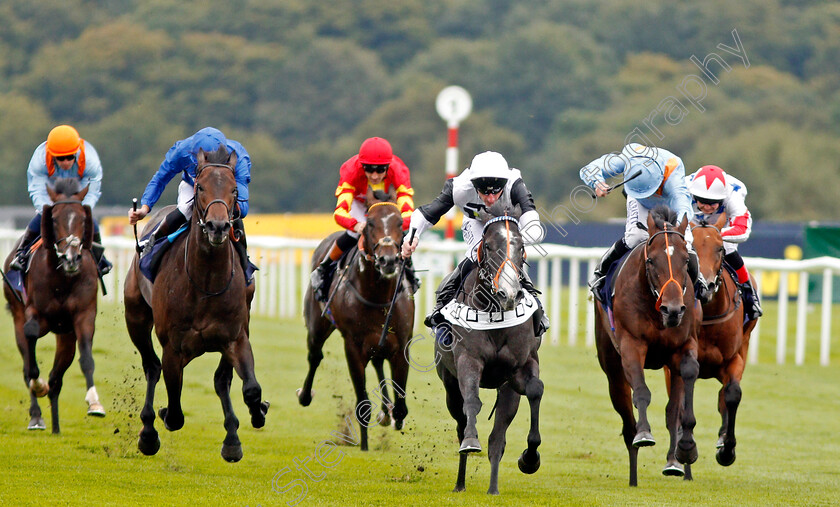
375, 168
489, 186
707, 202
65, 158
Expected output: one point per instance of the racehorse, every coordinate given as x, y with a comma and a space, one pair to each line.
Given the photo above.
199, 302
653, 324
361, 297
723, 340
59, 297
501, 358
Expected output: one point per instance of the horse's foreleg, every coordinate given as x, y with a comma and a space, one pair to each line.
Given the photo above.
529, 461
242, 359
317, 334
84, 335
138, 320
384, 417
507, 403
686, 448
356, 364
633, 354
231, 447
36, 422
455, 405
65, 350
469, 374
672, 422
730, 399
173, 377
399, 370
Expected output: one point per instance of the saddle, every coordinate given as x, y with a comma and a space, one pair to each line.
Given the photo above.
150, 261
15, 277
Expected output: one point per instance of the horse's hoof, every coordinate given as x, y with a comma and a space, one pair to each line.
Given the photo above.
470, 445
96, 409
720, 443
686, 454
725, 458
673, 470
149, 445
524, 466
459, 489
231, 453
492, 491
304, 400
37, 423
643, 439
39, 387
398, 424
384, 419
170, 425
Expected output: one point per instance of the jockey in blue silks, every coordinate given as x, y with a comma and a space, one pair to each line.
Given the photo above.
181, 159
63, 155
652, 176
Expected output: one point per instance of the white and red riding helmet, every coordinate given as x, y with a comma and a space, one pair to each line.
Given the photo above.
709, 183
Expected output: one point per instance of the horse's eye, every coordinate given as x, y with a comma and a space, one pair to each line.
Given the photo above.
199, 188
649, 261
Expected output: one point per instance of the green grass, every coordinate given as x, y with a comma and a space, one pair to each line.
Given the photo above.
787, 450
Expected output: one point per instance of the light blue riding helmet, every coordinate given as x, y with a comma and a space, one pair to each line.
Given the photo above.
646, 183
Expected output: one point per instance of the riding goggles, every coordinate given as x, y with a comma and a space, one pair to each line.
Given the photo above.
707, 202
488, 186
375, 168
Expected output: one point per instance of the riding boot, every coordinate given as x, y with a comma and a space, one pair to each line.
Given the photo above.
541, 323
102, 264
321, 277
446, 292
22, 253
170, 224
701, 287
241, 246
613, 254
751, 303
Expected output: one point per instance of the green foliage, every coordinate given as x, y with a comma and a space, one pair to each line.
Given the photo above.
554, 83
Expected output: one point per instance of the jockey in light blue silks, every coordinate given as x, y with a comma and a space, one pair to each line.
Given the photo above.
181, 159
652, 176
63, 155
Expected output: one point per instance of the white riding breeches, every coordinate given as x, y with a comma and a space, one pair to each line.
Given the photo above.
634, 235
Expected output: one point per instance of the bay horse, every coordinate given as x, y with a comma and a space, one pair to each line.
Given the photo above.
59, 297
362, 290
199, 302
723, 340
653, 324
501, 358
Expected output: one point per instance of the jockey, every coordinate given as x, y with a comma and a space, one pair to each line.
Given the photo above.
63, 155
181, 159
488, 179
652, 176
375, 166
714, 193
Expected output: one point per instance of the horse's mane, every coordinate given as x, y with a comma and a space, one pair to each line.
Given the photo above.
67, 186
663, 214
499, 209
220, 156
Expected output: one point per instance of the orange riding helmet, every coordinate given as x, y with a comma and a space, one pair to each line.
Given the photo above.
63, 140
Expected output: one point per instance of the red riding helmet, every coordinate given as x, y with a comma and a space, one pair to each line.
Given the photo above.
375, 151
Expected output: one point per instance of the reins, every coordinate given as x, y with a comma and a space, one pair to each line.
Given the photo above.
658, 293
507, 219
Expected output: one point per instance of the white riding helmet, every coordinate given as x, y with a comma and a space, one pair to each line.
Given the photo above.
709, 184
489, 172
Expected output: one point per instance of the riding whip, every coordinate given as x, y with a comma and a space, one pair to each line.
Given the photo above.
136, 241
636, 175
396, 293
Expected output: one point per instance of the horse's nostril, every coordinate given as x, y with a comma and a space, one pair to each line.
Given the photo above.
503, 295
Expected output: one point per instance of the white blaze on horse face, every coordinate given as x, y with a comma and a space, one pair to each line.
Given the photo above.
508, 277
669, 250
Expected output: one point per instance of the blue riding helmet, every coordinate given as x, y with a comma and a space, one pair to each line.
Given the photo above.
208, 139
644, 185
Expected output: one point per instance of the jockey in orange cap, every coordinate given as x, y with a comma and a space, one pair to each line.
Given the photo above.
63, 155
377, 167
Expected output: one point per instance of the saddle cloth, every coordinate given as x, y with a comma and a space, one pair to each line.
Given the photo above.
459, 314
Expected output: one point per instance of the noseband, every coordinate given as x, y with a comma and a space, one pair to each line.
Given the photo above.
202, 213
484, 274
648, 262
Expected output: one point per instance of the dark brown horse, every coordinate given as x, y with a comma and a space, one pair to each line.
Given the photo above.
655, 322
198, 303
491, 357
59, 297
723, 340
363, 289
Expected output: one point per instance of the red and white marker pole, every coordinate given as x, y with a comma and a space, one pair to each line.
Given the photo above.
453, 104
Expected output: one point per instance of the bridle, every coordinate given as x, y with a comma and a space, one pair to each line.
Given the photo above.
649, 262
718, 280
384, 241
71, 241
202, 213
714, 286
485, 274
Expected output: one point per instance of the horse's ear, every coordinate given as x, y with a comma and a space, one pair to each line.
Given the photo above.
81, 195
232, 159
201, 157
651, 223
47, 232
483, 214
52, 193
392, 194
683, 224
87, 240
370, 198
516, 212
721, 222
